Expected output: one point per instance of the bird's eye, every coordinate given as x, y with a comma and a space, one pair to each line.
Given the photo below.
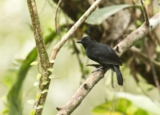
88, 39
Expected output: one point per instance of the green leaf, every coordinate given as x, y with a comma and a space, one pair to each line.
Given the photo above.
38, 76
31, 102
102, 108
38, 96
15, 94
141, 112
50, 69
120, 106
51, 76
5, 112
34, 63
123, 104
52, 61
141, 101
45, 83
44, 91
36, 84
40, 107
32, 112
98, 16
138, 23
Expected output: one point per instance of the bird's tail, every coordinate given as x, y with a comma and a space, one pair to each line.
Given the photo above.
119, 75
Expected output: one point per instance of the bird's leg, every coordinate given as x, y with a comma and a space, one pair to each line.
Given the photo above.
98, 69
112, 80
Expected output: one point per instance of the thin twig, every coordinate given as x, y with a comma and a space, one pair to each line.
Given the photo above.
145, 13
58, 46
155, 77
56, 15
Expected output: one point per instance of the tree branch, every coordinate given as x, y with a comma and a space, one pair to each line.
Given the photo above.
56, 15
43, 57
81, 93
44, 60
58, 46
137, 35
145, 13
91, 81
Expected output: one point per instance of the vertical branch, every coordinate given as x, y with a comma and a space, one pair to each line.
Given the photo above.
56, 15
145, 14
44, 60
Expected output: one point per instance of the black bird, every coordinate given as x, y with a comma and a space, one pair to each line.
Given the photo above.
103, 54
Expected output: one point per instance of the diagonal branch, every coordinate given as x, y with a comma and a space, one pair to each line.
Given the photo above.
58, 46
91, 81
81, 93
137, 35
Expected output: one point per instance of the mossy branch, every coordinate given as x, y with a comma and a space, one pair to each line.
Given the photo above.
43, 57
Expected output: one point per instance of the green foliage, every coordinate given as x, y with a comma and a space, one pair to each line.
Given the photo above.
142, 102
15, 94
139, 44
120, 107
8, 79
138, 23
147, 2
140, 112
32, 112
5, 112
98, 16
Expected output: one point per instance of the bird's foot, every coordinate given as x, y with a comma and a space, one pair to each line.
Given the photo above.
98, 69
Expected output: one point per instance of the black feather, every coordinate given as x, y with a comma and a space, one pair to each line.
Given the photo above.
103, 54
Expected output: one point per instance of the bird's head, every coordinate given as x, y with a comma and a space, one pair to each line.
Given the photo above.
86, 41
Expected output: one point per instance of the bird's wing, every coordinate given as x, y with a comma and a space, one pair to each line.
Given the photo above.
105, 55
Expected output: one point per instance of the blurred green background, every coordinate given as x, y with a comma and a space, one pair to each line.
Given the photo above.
17, 41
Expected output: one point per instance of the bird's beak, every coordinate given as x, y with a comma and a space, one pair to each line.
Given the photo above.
79, 41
